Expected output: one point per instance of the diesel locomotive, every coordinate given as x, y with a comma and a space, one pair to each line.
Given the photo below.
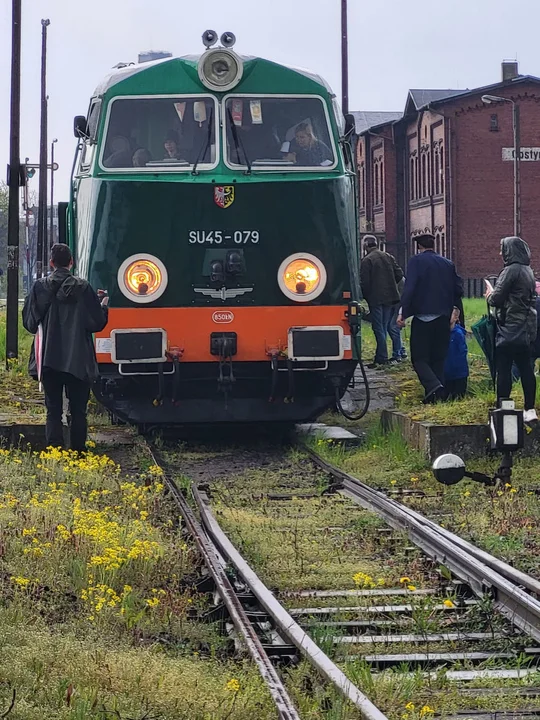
213, 198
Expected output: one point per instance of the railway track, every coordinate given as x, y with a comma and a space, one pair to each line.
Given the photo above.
343, 632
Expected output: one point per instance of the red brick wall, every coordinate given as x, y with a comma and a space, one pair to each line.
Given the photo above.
484, 191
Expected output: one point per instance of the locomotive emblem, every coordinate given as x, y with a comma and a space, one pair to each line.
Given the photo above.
224, 195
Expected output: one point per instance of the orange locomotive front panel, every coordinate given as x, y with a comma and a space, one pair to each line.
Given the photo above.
260, 331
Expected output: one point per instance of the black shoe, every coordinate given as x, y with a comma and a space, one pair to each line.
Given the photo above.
434, 396
376, 365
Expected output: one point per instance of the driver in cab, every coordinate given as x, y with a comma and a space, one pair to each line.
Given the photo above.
305, 150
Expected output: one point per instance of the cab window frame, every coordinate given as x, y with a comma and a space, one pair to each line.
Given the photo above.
158, 169
88, 145
279, 168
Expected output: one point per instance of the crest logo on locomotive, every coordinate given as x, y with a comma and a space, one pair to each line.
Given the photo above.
224, 195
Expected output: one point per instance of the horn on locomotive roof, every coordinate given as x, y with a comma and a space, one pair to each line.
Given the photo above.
209, 38
228, 39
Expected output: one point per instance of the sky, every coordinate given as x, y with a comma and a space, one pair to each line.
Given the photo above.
393, 46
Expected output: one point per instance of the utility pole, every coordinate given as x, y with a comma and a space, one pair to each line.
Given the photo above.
517, 173
344, 59
42, 202
12, 302
51, 238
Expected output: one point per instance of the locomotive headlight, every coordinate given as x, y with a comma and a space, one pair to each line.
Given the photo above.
142, 278
302, 277
220, 69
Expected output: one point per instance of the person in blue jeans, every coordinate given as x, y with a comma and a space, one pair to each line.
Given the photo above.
456, 367
398, 349
379, 276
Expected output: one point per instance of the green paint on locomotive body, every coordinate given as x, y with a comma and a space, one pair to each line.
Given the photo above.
117, 214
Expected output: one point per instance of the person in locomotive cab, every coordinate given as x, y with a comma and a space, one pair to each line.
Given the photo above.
63, 311
171, 146
305, 150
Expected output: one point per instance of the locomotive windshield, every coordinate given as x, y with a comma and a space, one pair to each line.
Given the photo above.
156, 132
278, 131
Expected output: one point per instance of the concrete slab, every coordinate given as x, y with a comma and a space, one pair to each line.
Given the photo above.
433, 440
329, 433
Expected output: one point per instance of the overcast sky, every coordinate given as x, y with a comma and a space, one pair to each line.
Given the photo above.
393, 46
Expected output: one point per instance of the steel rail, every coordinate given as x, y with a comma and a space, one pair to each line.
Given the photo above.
281, 617
509, 598
285, 707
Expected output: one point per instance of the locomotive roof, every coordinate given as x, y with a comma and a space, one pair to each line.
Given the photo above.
117, 75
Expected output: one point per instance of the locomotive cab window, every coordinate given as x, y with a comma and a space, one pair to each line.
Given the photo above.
277, 132
169, 133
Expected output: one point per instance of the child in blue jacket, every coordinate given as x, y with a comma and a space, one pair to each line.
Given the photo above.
456, 368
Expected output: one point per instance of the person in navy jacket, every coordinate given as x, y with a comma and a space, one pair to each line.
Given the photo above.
432, 289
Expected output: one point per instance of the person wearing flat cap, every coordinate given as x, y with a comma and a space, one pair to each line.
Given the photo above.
432, 290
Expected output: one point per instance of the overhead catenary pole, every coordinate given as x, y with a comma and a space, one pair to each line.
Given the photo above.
51, 237
12, 301
344, 59
42, 202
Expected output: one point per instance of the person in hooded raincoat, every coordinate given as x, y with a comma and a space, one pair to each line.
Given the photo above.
514, 297
69, 311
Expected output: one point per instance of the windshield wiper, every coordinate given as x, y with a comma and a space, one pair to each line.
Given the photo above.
206, 144
238, 144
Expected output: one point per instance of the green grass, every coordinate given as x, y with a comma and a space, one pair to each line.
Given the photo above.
481, 395
96, 601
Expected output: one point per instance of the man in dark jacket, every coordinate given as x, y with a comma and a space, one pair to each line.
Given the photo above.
514, 297
431, 291
380, 275
68, 311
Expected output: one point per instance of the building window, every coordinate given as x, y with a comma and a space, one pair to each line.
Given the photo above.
376, 184
423, 185
362, 186
494, 123
444, 249
441, 153
411, 178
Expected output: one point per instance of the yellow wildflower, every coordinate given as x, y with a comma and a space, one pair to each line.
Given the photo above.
426, 710
409, 706
412, 588
404, 580
448, 603
393, 482
233, 685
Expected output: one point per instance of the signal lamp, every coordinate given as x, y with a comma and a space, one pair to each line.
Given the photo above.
142, 278
302, 277
220, 69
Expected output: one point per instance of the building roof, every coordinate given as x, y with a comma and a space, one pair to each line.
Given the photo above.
421, 98
366, 120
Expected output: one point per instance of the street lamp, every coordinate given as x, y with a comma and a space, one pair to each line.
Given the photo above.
487, 100
52, 194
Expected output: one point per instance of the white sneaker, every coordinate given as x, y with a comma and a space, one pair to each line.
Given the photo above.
529, 416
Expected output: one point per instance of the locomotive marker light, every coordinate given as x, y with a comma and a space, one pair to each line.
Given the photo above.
142, 278
302, 277
506, 436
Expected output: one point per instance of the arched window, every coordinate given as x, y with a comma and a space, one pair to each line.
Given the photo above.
411, 179
423, 186
441, 175
437, 172
381, 182
416, 178
444, 249
376, 184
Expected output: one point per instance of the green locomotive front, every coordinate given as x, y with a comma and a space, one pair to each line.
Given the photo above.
213, 201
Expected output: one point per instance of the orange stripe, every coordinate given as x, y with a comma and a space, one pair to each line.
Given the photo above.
259, 329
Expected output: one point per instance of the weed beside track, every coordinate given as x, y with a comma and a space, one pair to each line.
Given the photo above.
299, 539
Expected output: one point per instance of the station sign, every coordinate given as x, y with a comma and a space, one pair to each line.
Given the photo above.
528, 154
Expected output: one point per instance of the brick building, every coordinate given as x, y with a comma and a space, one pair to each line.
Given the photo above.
445, 166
